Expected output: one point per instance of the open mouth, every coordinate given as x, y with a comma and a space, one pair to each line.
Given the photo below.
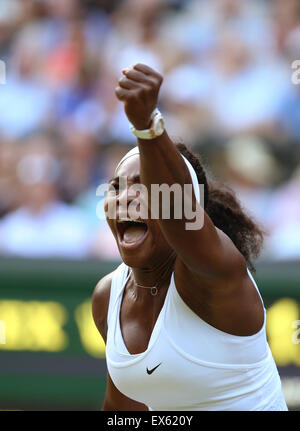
131, 233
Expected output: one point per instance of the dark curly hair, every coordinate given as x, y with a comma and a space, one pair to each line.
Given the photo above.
226, 212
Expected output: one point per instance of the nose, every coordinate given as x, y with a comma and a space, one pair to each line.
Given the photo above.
125, 196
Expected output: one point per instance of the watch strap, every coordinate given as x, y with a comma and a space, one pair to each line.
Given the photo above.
150, 133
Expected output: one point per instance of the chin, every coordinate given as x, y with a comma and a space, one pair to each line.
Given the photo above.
135, 258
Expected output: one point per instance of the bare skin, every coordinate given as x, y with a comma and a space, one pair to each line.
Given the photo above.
210, 274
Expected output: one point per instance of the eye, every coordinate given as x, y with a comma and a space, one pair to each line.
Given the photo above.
113, 187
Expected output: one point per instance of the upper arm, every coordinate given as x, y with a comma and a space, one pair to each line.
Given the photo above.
114, 399
208, 252
100, 302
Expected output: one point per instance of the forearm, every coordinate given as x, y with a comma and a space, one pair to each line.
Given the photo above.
161, 163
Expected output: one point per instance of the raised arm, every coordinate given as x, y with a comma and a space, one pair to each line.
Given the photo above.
207, 251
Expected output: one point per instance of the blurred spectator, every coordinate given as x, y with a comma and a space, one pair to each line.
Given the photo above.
8, 180
81, 163
289, 110
287, 22
284, 240
227, 92
242, 97
289, 114
252, 171
42, 226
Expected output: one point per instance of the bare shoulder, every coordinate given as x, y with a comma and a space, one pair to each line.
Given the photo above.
100, 302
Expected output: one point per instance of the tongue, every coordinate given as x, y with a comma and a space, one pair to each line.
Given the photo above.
134, 233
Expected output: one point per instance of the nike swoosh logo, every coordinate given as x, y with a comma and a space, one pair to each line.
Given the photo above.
153, 369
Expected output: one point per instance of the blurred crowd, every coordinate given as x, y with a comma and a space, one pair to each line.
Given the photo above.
227, 93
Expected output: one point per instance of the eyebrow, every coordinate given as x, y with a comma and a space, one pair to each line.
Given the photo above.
136, 178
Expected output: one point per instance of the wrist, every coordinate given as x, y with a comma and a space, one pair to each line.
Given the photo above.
142, 125
153, 130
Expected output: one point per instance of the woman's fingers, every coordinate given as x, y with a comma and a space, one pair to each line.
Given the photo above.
145, 69
122, 94
134, 79
126, 83
137, 76
142, 73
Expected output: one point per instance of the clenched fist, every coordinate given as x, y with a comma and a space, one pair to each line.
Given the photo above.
138, 89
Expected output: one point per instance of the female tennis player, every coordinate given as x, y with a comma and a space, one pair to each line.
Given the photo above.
182, 317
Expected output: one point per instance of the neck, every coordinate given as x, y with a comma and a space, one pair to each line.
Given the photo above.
155, 275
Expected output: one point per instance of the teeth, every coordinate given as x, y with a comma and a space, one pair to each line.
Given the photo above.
123, 220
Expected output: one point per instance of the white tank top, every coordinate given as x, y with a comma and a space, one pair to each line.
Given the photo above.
189, 364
